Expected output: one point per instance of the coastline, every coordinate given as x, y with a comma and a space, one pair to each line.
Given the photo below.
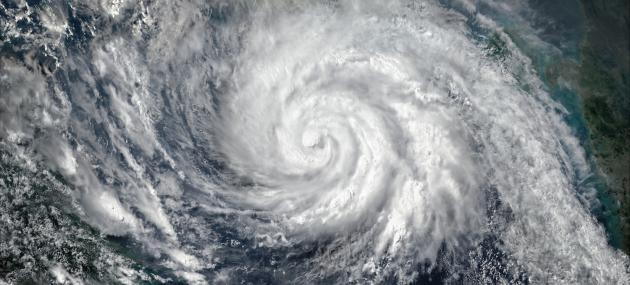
604, 92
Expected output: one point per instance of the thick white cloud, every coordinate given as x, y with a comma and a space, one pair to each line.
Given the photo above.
377, 129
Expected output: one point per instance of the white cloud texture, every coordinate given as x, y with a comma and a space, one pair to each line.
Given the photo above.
383, 132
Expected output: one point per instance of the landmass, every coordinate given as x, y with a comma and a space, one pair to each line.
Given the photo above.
604, 90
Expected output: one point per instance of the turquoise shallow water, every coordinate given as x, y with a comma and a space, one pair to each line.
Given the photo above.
560, 25
181, 214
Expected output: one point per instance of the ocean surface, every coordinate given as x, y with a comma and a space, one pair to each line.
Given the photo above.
273, 142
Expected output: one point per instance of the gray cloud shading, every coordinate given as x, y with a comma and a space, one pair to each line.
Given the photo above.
370, 138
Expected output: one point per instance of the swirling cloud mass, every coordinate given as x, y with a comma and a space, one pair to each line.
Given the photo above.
344, 141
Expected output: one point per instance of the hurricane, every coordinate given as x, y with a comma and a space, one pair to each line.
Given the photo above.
361, 142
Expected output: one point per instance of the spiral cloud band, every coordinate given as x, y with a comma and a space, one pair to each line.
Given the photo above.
342, 132
346, 141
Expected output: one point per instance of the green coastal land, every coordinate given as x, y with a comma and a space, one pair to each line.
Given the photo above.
604, 90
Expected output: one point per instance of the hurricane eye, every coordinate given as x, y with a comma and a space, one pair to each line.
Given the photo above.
308, 142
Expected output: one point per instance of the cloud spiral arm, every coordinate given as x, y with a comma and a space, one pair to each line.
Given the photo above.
370, 140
